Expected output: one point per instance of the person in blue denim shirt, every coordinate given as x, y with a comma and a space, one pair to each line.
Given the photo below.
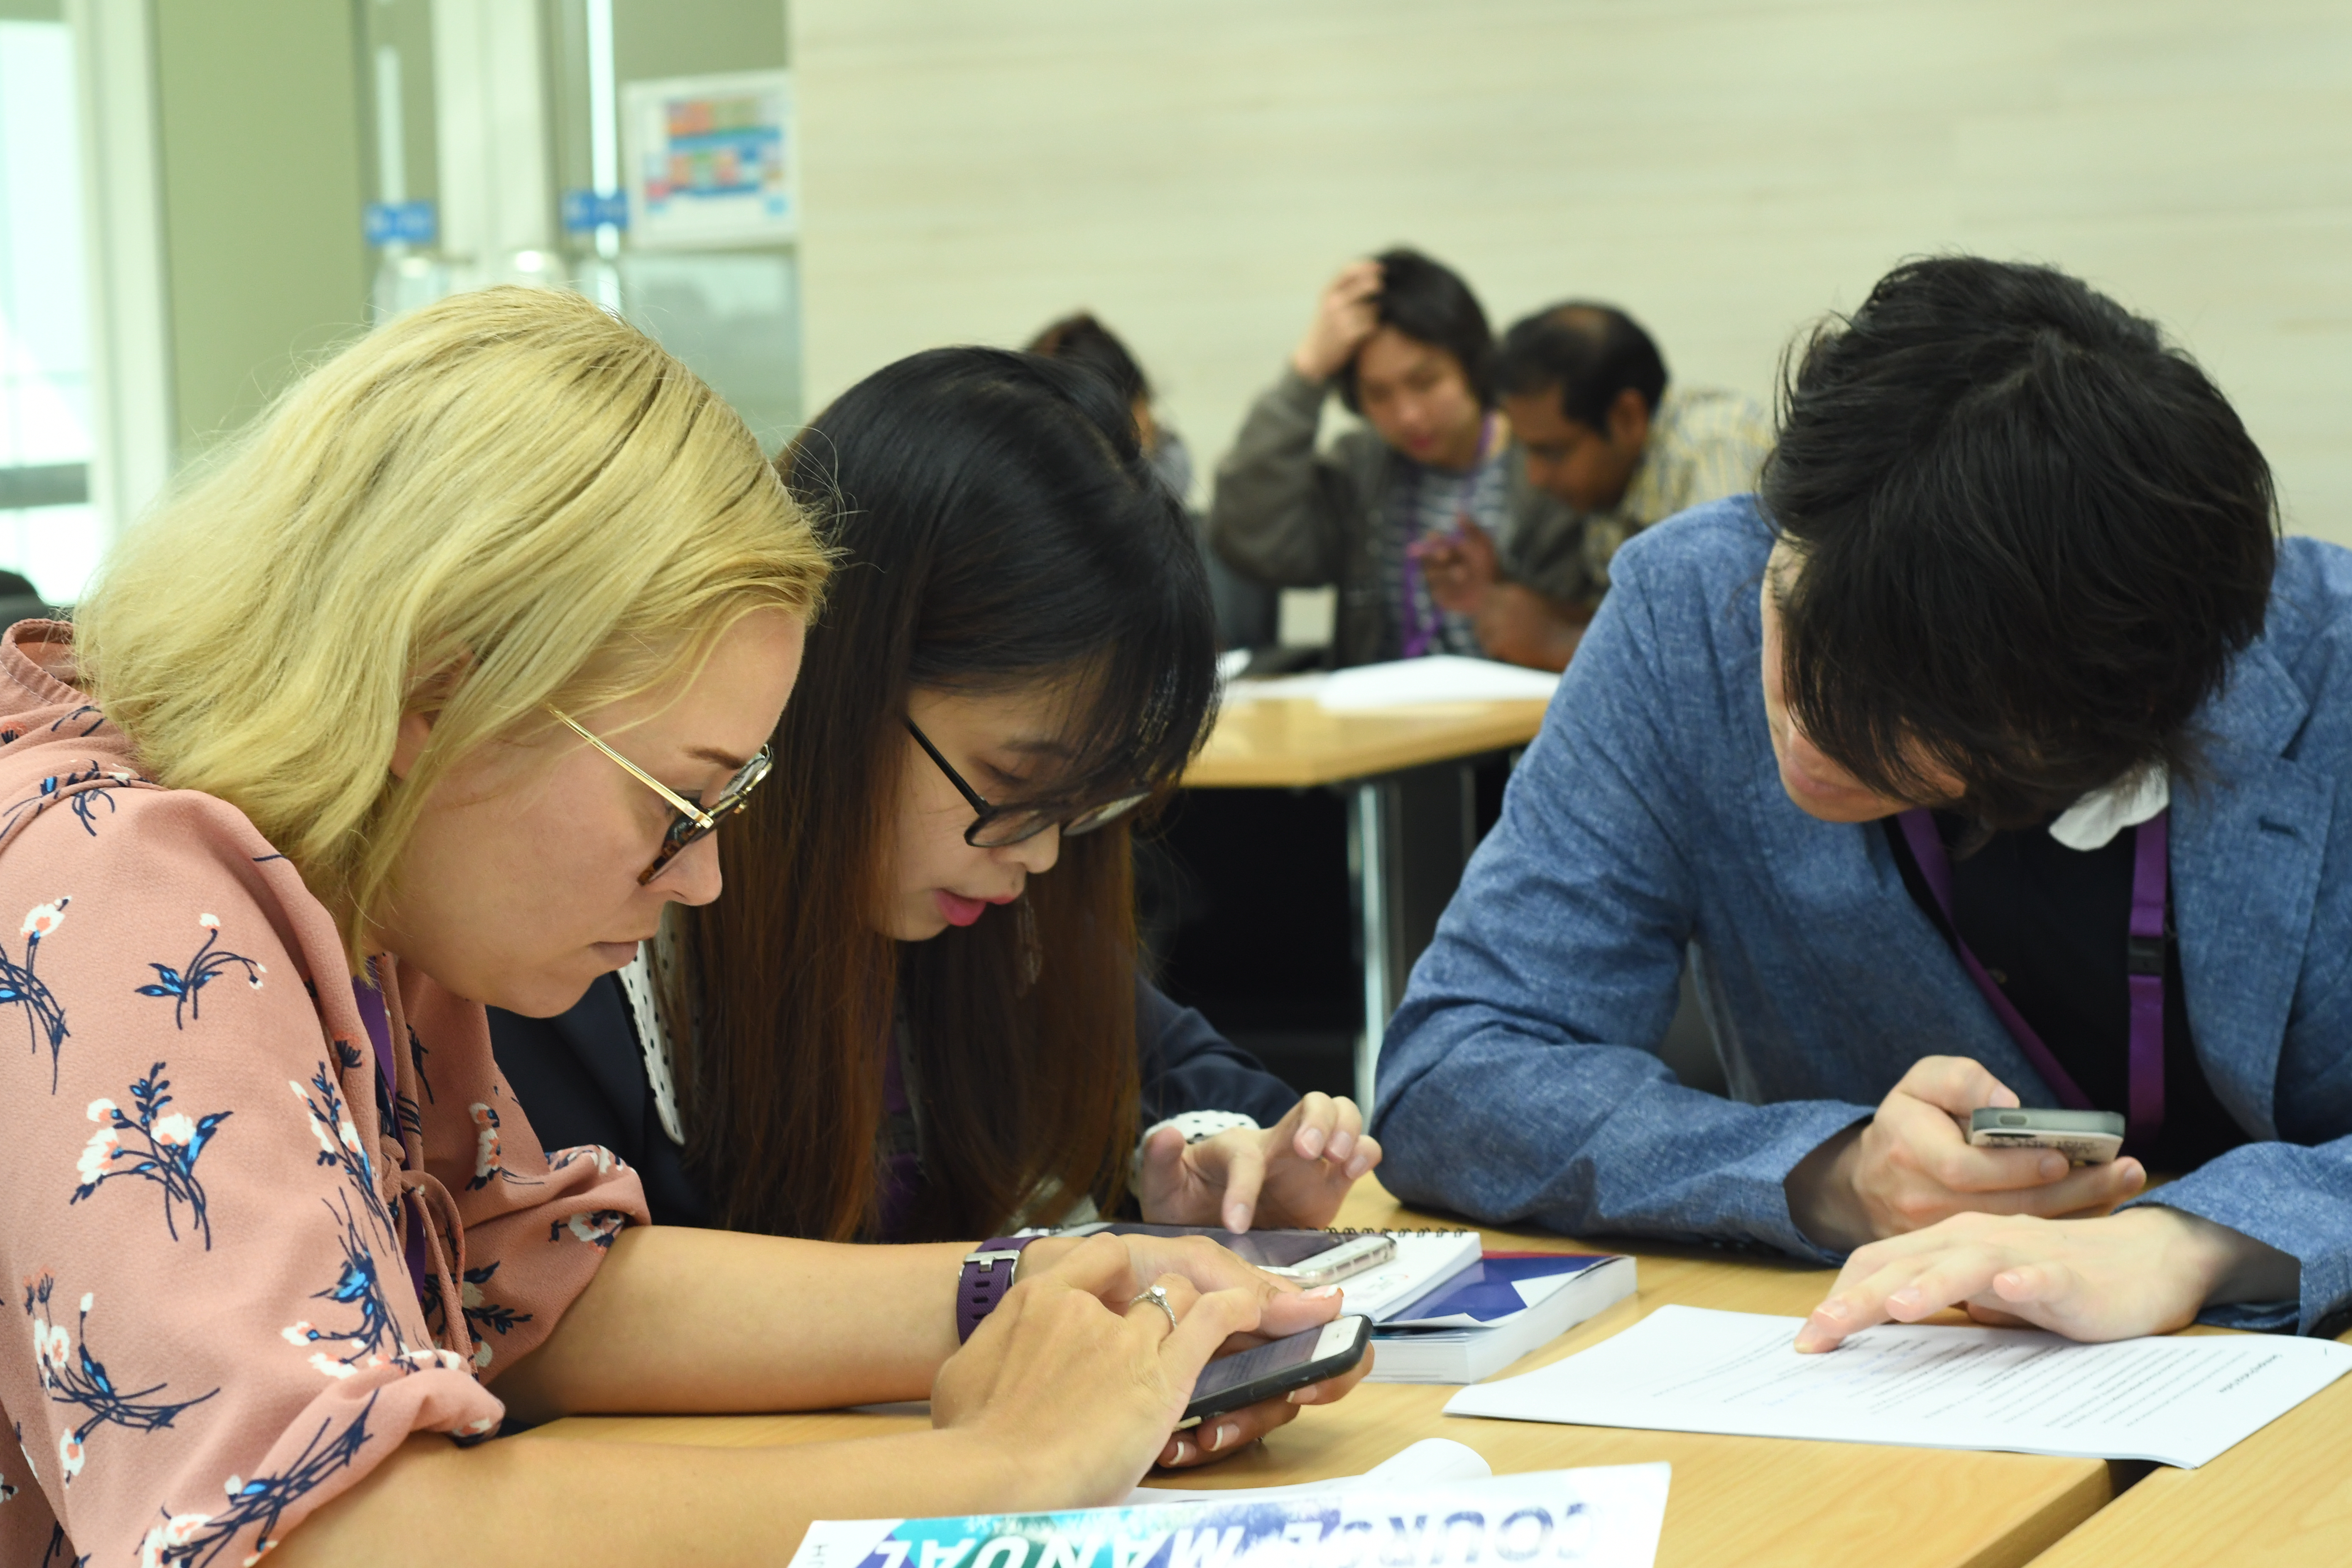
2009, 608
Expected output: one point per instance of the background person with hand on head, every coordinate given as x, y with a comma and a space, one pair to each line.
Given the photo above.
919, 1015
1586, 391
345, 720
1404, 342
1999, 712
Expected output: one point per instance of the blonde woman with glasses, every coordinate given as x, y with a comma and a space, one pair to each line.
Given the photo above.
431, 693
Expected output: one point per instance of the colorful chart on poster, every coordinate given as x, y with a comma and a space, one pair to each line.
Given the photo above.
710, 159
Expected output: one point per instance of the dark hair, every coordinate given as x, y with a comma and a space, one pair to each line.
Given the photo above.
1082, 340
994, 524
1429, 303
2030, 536
1590, 353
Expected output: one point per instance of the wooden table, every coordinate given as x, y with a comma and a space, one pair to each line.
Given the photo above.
1735, 1501
1409, 818
2281, 1498
1293, 743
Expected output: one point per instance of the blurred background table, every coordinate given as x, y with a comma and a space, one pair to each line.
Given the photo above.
1410, 778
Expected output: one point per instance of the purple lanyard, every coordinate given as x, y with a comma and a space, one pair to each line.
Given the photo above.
2144, 958
1418, 633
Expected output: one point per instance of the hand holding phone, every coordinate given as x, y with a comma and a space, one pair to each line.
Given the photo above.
1912, 1164
1273, 1369
1083, 1369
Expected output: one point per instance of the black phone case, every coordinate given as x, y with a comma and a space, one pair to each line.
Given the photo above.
1248, 1394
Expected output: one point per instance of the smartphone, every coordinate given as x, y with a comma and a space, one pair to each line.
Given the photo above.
1276, 1367
1309, 1258
2086, 1137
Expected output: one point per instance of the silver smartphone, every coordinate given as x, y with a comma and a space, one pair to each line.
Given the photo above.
1310, 1257
2086, 1137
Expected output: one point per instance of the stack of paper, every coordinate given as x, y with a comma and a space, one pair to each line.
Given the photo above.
1493, 1312
1424, 1259
2177, 1400
1439, 678
1304, 687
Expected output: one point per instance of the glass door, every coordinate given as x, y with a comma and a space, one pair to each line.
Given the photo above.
640, 150
50, 537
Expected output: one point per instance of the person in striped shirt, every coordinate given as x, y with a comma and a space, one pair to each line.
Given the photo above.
1602, 432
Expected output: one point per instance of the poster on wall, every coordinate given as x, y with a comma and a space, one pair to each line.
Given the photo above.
709, 160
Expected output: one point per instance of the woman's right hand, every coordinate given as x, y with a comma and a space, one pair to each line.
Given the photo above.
1348, 313
1911, 1166
1087, 1384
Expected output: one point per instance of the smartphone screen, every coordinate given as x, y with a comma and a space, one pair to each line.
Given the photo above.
1261, 1361
1266, 1248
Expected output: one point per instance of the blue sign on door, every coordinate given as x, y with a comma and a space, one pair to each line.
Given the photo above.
400, 223
584, 212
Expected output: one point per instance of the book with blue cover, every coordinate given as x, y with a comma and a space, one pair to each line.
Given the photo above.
1481, 1320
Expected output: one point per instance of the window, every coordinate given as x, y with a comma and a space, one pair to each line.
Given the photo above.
48, 531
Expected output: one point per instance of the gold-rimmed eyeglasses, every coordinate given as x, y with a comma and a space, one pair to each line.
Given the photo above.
694, 820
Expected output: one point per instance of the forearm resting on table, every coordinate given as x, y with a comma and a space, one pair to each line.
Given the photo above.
524, 1500
707, 1321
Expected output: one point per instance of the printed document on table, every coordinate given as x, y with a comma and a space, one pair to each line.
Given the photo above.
1604, 1517
2175, 1400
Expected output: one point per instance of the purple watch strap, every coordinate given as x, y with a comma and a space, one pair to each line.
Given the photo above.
987, 1276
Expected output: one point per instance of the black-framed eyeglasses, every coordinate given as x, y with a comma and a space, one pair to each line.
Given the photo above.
998, 826
694, 821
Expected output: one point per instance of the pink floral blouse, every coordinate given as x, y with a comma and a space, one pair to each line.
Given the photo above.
260, 1237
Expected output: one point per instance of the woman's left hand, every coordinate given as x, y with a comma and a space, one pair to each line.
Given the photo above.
1295, 1173
2147, 1270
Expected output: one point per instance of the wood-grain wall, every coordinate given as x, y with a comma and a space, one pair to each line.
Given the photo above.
1725, 169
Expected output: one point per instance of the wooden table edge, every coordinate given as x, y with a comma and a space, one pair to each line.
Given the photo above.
1429, 734
2064, 1496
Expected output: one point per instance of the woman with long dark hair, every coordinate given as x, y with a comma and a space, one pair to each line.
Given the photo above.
919, 1014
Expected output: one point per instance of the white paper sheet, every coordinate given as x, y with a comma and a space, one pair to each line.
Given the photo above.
1440, 678
1603, 1517
1274, 687
2175, 1400
1432, 1461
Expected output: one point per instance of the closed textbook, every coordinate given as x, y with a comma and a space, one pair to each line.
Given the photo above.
1492, 1313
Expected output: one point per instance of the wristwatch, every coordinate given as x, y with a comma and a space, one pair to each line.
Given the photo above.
987, 1276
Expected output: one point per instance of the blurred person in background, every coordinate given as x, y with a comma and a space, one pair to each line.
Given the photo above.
1405, 344
1245, 608
1586, 392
